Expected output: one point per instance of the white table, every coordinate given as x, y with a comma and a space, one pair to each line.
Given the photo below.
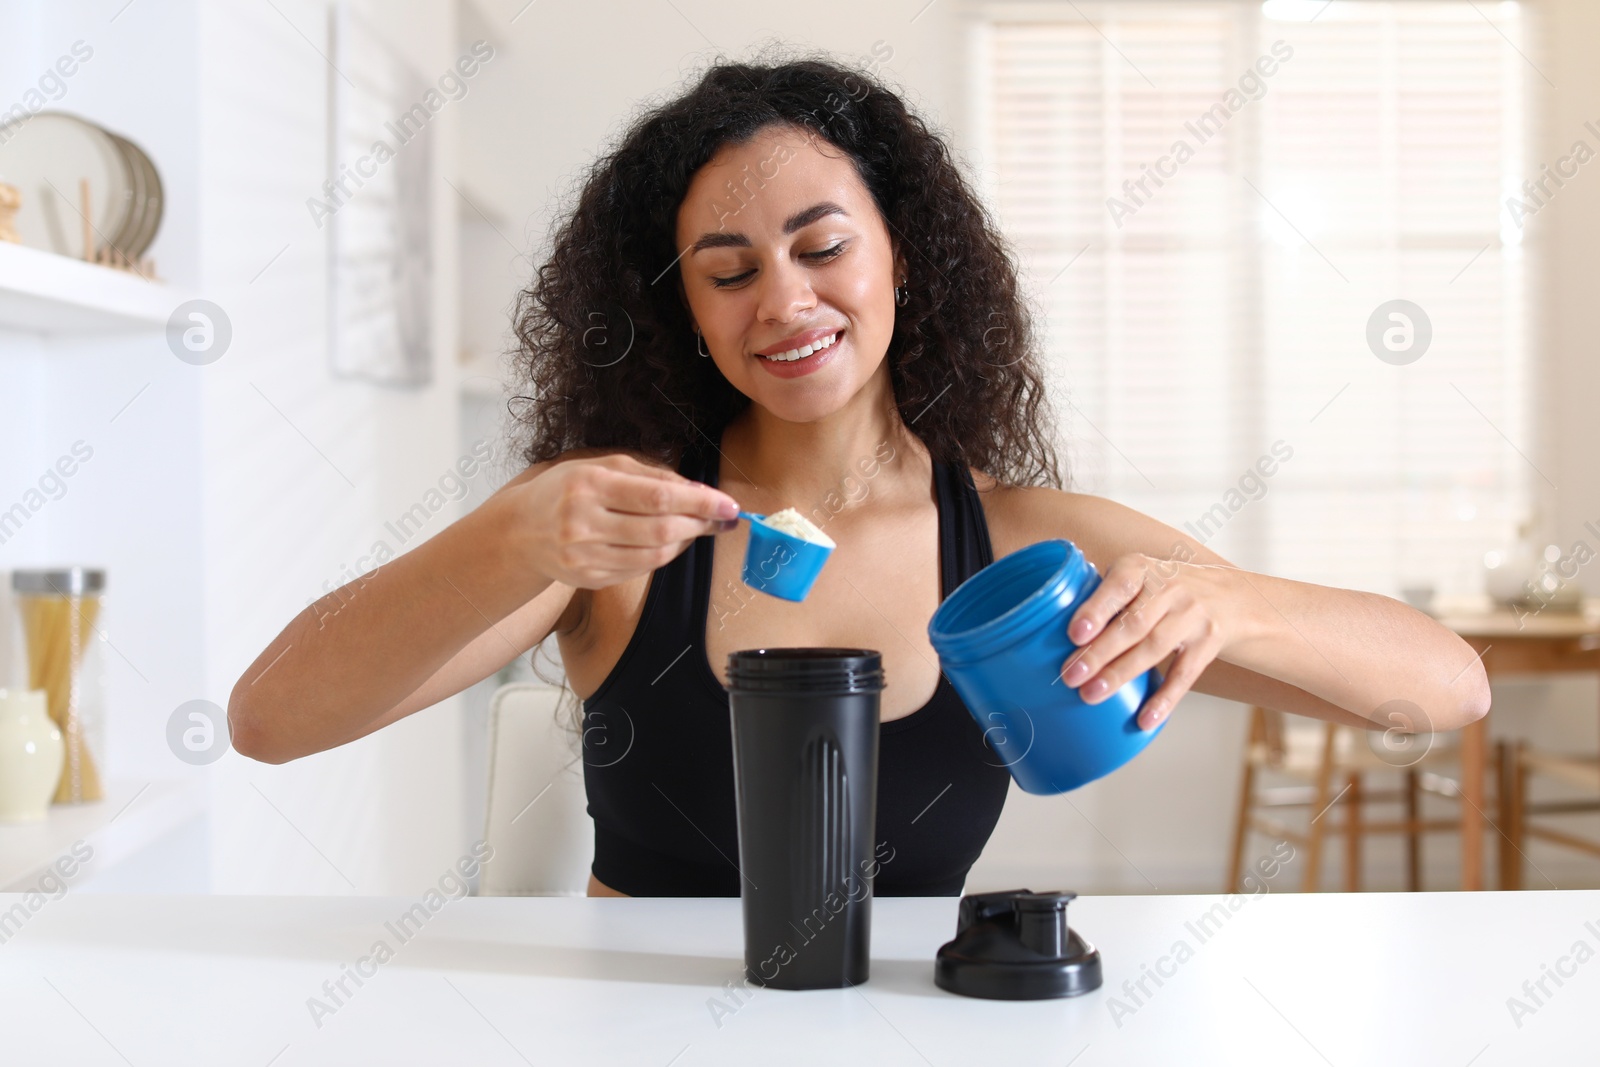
1286, 979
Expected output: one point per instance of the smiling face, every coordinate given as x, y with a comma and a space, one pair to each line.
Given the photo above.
786, 248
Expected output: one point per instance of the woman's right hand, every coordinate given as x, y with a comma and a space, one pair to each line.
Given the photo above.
597, 522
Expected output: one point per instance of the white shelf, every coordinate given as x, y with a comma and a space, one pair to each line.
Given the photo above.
132, 816
41, 292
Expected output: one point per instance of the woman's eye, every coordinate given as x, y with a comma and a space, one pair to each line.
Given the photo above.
822, 257
723, 283
826, 253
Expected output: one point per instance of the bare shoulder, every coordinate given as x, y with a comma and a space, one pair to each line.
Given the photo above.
1019, 516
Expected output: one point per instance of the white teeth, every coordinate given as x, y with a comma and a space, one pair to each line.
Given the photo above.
803, 351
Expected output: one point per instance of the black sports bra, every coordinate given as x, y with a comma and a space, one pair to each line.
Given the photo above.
658, 749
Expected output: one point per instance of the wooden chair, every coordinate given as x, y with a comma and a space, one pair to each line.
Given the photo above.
1331, 763
1516, 762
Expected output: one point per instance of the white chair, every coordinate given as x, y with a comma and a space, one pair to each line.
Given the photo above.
536, 822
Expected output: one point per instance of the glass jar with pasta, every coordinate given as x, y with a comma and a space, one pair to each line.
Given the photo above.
61, 633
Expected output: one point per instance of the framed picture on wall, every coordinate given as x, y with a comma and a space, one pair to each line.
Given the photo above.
379, 215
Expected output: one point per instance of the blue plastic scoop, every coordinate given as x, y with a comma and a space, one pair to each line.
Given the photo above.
778, 563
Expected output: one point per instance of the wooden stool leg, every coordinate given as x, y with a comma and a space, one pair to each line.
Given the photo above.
1319, 805
1474, 769
1241, 826
1506, 855
1352, 834
1247, 784
1413, 835
1515, 814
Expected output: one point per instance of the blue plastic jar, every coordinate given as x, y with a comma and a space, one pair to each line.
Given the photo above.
1001, 637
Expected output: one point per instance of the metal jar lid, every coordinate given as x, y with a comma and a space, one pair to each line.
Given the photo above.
60, 581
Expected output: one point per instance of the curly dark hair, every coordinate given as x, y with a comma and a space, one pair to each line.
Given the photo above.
610, 355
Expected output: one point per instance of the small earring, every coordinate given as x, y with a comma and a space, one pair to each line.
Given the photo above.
902, 296
699, 343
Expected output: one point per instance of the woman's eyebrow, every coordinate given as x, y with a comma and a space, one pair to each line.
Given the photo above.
723, 239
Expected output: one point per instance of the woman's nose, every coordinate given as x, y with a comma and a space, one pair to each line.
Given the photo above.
785, 292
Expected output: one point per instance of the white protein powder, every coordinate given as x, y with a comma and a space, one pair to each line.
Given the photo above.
791, 521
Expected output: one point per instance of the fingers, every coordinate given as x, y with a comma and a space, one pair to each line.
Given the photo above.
628, 560
1123, 632
1157, 646
1189, 656
604, 520
632, 557
642, 493
1186, 670
1160, 625
1117, 590
619, 528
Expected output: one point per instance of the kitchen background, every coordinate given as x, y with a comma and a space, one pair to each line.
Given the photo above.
1188, 335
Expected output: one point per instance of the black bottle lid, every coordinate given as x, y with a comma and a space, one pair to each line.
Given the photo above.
1016, 945
816, 671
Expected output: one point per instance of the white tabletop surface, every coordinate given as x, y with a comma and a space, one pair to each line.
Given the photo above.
1286, 979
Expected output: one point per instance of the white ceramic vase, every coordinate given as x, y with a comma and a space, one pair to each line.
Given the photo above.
31, 753
1505, 571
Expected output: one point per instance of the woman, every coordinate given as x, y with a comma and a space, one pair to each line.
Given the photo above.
779, 292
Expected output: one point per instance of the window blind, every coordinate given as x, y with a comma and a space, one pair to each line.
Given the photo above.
1212, 200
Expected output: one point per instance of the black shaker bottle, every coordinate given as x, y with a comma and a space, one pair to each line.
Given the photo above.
805, 767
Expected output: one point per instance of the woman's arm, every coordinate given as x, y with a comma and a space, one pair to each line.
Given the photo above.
464, 603
354, 660
1168, 601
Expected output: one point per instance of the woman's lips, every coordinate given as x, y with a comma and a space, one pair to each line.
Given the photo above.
800, 340
804, 365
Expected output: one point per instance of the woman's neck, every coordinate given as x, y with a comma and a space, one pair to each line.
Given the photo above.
797, 464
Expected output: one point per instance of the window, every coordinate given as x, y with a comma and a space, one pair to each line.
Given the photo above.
1215, 203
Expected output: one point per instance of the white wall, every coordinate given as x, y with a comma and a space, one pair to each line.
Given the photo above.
382, 814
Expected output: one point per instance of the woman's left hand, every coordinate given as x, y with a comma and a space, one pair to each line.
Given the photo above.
1147, 610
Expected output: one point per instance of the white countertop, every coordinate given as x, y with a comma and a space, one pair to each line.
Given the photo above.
133, 815
1349, 980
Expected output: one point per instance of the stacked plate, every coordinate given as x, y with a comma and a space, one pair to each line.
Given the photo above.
49, 155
